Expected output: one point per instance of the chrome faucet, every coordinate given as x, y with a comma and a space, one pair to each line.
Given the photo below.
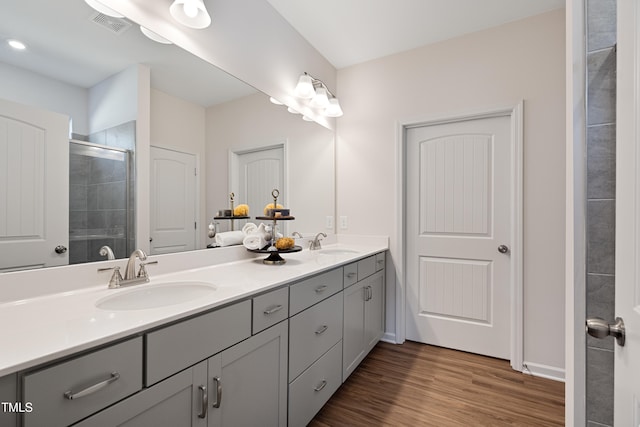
298, 234
130, 269
315, 244
106, 251
130, 276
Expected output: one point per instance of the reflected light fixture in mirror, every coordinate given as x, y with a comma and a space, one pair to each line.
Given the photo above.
16, 44
318, 95
95, 4
190, 13
153, 36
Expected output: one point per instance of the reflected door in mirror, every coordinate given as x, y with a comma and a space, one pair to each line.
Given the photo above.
34, 187
173, 201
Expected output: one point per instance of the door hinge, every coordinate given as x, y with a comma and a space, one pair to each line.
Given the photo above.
195, 225
195, 171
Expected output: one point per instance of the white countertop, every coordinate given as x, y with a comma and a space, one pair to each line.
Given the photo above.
43, 328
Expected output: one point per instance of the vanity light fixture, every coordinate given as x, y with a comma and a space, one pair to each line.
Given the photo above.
95, 4
190, 13
304, 88
333, 109
320, 97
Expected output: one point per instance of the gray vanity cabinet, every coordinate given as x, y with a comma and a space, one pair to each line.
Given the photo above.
177, 401
363, 314
248, 382
244, 385
315, 352
67, 392
9, 395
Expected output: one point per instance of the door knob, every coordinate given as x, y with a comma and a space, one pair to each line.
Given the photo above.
599, 328
503, 249
60, 249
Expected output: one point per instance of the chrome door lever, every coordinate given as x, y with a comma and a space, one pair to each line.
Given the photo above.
599, 328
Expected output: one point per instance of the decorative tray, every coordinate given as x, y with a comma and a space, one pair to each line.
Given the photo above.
274, 256
277, 218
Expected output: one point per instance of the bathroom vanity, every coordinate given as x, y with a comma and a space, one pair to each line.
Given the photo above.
268, 347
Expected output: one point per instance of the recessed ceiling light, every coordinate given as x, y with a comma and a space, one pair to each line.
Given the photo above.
17, 44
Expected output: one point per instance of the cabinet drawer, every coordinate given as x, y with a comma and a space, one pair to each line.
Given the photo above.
350, 274
310, 291
313, 332
65, 393
366, 267
311, 390
270, 308
179, 346
380, 261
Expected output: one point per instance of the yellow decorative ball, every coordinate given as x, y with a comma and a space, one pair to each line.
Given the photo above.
241, 210
285, 243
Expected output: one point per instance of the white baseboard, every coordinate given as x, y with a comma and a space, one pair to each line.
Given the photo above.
543, 371
390, 338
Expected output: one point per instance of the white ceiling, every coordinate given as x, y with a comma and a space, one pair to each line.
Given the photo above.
348, 32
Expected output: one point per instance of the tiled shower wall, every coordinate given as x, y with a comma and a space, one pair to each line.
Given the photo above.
601, 174
97, 204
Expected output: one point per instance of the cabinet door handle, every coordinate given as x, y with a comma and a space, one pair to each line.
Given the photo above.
92, 389
321, 289
322, 329
217, 384
320, 386
205, 402
351, 275
272, 310
368, 294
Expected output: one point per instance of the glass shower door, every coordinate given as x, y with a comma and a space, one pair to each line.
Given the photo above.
99, 202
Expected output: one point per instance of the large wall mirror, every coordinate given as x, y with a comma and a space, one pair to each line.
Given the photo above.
71, 105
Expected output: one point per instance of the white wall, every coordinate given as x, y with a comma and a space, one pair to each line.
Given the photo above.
179, 125
253, 122
114, 100
37, 90
493, 68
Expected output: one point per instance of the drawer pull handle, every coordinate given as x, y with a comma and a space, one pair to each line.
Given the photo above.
218, 386
322, 385
380, 261
351, 275
91, 389
205, 402
322, 329
272, 310
321, 289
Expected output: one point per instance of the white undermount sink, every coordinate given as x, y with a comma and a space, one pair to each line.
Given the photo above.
155, 296
336, 251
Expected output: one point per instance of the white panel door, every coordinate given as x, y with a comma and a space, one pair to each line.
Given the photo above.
257, 173
627, 357
458, 214
173, 201
34, 187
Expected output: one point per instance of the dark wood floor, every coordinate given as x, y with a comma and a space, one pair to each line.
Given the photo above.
419, 385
